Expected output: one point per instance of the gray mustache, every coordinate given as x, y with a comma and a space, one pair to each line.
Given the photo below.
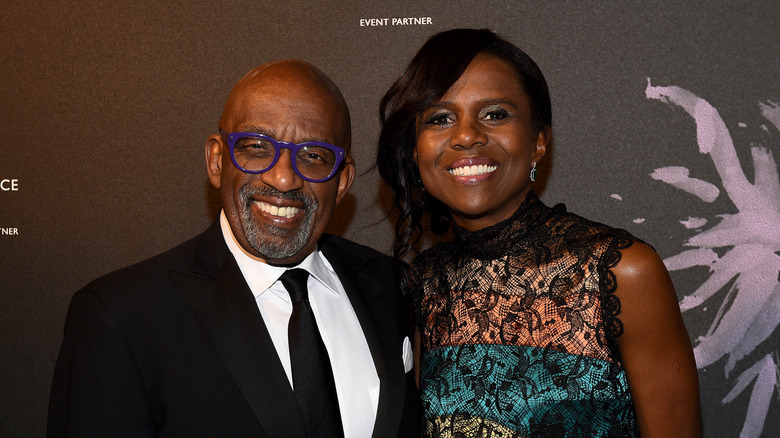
248, 191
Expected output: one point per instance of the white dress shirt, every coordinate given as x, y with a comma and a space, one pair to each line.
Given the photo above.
357, 383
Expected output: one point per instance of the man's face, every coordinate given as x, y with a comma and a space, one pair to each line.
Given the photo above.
276, 215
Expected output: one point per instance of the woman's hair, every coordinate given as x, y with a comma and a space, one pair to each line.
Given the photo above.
434, 69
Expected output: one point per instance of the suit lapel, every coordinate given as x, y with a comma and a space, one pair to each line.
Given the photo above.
363, 283
225, 307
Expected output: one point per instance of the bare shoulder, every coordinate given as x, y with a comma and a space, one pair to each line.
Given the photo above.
639, 262
649, 309
643, 284
655, 347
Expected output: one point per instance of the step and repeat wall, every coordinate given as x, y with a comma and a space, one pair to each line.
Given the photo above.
666, 123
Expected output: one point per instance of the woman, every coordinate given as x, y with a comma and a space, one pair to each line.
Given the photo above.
533, 321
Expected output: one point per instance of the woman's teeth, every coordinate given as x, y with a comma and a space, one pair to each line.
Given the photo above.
472, 170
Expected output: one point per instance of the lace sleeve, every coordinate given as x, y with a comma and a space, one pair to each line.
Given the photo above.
610, 302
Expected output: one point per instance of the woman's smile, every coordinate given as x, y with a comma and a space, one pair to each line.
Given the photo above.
470, 171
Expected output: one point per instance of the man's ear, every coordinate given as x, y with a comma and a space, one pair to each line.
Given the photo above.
346, 177
214, 159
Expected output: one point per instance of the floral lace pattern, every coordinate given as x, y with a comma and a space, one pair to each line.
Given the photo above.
518, 325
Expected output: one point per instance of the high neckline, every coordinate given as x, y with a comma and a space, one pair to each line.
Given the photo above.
494, 240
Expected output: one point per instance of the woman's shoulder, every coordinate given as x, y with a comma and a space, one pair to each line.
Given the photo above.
639, 262
577, 230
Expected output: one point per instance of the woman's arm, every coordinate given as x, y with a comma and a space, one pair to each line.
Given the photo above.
655, 347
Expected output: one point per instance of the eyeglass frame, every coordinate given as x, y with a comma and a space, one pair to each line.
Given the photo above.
233, 137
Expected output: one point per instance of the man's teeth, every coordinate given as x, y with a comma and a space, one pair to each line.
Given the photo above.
472, 170
286, 212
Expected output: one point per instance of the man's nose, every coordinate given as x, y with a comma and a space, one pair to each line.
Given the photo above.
282, 177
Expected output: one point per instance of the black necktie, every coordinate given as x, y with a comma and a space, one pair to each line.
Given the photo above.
313, 382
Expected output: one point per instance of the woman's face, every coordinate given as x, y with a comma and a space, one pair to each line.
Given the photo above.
475, 147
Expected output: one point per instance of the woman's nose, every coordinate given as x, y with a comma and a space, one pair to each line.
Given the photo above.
468, 133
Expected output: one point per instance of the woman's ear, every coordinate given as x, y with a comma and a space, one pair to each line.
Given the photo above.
542, 140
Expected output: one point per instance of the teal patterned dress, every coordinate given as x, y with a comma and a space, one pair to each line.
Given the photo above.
518, 325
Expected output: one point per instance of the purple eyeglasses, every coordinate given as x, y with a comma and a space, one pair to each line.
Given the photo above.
257, 153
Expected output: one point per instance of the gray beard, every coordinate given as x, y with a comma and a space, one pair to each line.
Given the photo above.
273, 242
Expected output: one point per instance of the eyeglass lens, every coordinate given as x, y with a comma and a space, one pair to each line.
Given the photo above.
257, 155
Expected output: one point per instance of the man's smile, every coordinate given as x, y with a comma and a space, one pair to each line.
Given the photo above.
273, 210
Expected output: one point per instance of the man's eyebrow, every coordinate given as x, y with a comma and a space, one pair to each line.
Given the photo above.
258, 130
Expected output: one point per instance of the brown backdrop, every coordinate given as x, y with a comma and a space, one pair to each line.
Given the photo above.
106, 105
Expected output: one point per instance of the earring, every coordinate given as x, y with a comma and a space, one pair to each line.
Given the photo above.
418, 184
533, 172
418, 179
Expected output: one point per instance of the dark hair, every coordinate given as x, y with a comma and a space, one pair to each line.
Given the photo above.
434, 69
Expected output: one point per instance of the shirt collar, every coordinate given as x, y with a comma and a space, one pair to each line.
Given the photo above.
260, 275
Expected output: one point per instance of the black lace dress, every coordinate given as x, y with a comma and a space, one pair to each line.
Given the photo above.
518, 325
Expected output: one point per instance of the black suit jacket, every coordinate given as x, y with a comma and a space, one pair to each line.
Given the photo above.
175, 347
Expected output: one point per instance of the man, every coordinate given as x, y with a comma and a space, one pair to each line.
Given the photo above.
205, 340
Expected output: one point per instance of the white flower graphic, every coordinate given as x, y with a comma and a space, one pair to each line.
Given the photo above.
749, 242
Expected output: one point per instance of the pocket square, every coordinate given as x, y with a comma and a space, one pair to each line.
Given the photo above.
408, 356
